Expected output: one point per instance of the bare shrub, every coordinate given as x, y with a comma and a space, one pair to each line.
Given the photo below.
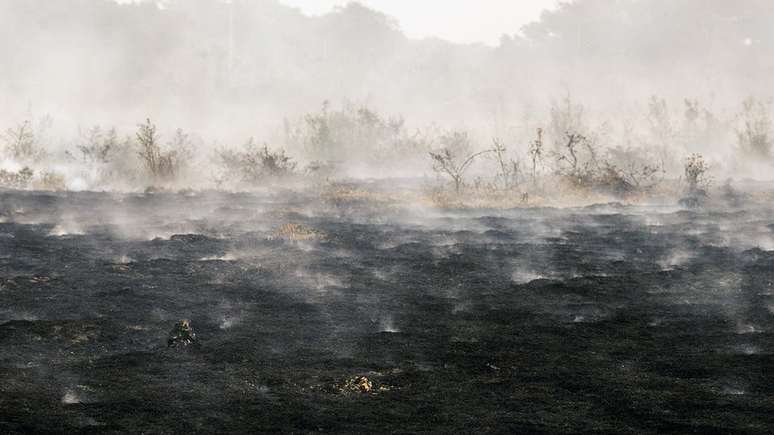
573, 150
255, 164
453, 158
158, 163
318, 169
150, 149
182, 147
21, 144
313, 133
16, 180
122, 167
632, 169
52, 181
566, 118
97, 145
356, 132
509, 170
577, 161
660, 122
536, 153
275, 163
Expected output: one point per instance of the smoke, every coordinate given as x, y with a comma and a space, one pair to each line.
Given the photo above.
207, 64
226, 84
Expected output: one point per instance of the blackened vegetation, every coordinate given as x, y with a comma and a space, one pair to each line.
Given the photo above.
182, 335
609, 318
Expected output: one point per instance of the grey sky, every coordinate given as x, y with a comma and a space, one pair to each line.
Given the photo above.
454, 20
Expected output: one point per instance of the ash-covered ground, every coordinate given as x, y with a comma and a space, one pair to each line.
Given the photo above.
611, 318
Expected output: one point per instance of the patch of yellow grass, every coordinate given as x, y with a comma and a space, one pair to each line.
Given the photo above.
480, 199
343, 193
296, 232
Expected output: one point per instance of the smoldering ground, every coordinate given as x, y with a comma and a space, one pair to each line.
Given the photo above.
526, 319
230, 217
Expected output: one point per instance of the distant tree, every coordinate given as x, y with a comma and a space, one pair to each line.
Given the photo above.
21, 144
353, 132
317, 137
566, 118
660, 122
183, 148
692, 111
150, 150
754, 133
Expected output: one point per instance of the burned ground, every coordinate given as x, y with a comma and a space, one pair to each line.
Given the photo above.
612, 318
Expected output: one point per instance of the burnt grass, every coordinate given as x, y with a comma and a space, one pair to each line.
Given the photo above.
607, 319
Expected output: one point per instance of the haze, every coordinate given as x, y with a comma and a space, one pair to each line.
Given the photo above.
228, 71
392, 216
461, 21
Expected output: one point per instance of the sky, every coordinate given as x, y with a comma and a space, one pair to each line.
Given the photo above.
461, 21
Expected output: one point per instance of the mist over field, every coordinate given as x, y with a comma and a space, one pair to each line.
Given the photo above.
639, 74
240, 217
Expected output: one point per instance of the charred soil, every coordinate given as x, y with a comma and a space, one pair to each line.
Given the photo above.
366, 317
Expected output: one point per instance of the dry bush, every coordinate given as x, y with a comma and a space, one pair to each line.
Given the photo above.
254, 164
697, 177
454, 158
162, 164
566, 118
577, 161
574, 150
122, 168
21, 143
354, 132
508, 176
16, 179
660, 124
51, 181
182, 146
444, 199
630, 170
321, 170
535, 153
97, 145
